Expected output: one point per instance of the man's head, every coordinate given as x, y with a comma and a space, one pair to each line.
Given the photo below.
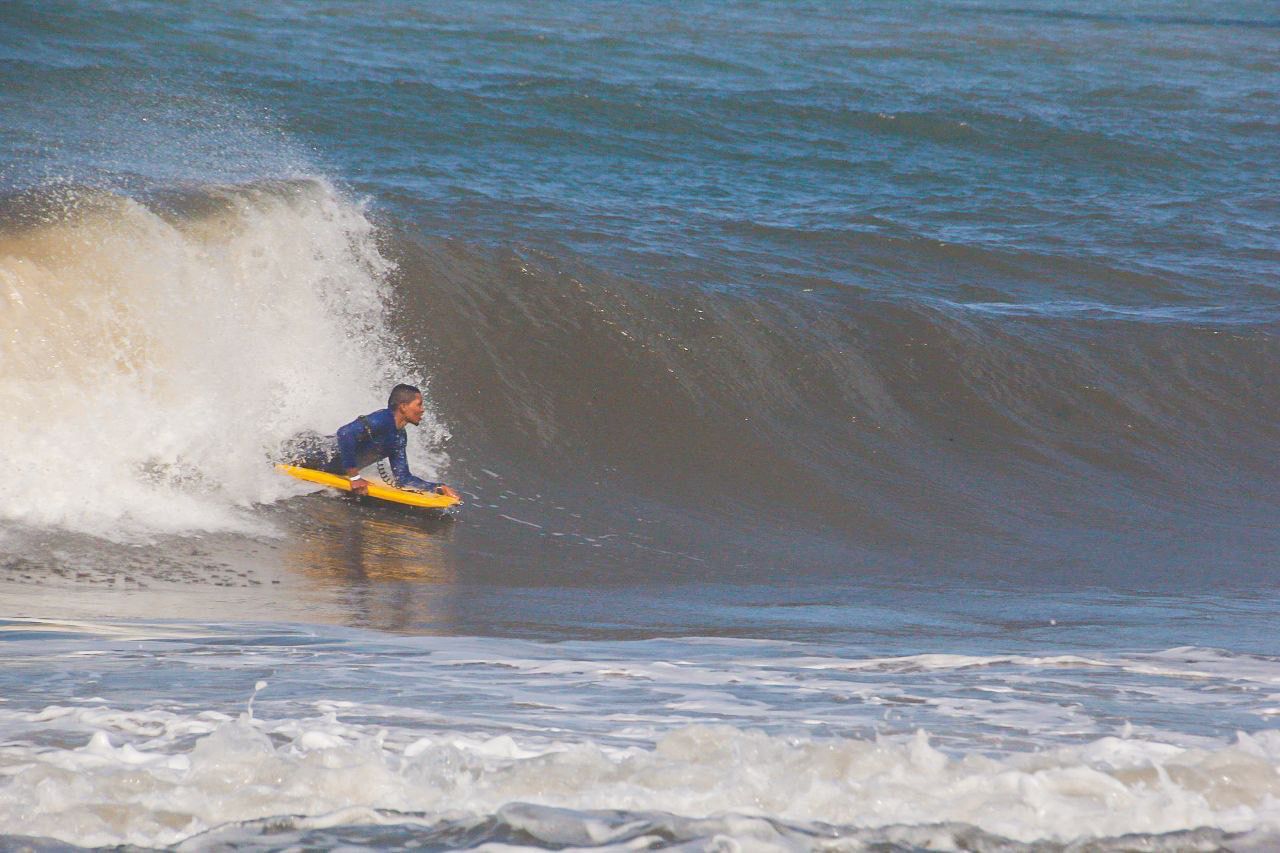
405, 402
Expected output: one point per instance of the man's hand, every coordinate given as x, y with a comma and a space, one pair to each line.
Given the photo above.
442, 489
359, 485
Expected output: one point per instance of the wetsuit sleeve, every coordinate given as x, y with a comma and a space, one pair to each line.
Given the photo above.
400, 466
347, 444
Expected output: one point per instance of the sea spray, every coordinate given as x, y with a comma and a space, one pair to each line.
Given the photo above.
157, 350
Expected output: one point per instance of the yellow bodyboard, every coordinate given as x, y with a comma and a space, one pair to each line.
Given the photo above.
426, 500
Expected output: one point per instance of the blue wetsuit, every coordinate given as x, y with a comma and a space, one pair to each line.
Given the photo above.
372, 437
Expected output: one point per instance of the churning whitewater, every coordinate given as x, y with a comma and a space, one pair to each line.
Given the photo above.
195, 333
612, 743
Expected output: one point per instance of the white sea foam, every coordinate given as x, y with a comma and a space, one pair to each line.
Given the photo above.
152, 360
153, 735
1180, 663
184, 773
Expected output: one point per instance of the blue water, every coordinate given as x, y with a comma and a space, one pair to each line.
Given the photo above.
866, 415
738, 144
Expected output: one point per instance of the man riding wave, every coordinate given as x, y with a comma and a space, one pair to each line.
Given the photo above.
368, 439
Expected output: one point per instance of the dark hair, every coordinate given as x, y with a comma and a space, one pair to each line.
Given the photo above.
401, 394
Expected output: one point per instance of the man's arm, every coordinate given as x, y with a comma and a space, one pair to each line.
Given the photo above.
347, 438
400, 467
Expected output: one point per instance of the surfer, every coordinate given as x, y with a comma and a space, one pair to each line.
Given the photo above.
371, 438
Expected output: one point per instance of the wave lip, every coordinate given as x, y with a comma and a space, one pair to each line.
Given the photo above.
1224, 315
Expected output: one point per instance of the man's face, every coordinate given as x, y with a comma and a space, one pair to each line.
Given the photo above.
412, 410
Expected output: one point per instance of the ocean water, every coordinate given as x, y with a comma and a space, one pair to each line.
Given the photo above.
866, 413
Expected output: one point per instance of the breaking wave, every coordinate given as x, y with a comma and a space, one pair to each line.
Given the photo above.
156, 349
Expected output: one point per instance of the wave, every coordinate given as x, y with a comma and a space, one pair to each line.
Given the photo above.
159, 346
897, 422
155, 348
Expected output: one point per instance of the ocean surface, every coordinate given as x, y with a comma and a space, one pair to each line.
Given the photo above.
867, 414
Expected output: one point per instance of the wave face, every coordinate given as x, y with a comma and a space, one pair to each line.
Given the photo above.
904, 426
156, 349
